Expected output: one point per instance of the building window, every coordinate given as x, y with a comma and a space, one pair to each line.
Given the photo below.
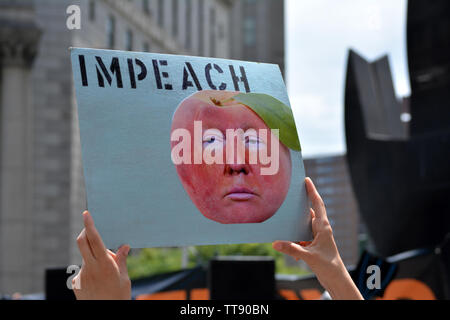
161, 13
129, 40
327, 179
146, 7
91, 10
110, 31
326, 160
221, 32
212, 33
175, 18
324, 170
146, 47
201, 28
188, 30
249, 31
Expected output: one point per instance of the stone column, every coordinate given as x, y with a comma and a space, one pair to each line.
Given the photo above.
18, 44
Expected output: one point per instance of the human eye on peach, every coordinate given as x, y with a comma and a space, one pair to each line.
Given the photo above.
231, 153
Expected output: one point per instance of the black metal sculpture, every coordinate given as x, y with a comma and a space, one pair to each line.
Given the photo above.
400, 171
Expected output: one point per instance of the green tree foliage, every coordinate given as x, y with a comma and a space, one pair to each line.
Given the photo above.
147, 262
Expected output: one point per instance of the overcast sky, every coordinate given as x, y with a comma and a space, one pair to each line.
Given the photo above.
318, 36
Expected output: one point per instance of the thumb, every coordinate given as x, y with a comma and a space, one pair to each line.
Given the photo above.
121, 258
290, 248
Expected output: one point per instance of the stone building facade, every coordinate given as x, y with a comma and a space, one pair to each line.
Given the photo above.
42, 190
41, 182
257, 31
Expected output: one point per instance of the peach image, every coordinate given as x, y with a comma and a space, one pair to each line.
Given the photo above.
227, 191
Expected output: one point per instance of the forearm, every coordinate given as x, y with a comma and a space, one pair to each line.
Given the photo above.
337, 281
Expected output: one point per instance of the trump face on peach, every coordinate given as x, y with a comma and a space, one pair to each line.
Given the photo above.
231, 164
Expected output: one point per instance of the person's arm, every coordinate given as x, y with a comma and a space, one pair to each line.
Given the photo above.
322, 255
104, 274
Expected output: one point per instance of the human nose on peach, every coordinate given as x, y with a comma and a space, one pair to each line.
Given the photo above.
235, 148
237, 169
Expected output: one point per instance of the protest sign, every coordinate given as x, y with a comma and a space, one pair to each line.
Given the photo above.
181, 150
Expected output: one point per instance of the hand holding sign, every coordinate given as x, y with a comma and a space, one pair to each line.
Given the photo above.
322, 254
104, 274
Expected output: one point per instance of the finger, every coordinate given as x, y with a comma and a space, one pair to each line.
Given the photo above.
76, 283
316, 200
84, 248
95, 241
290, 248
304, 243
314, 223
313, 214
112, 254
121, 258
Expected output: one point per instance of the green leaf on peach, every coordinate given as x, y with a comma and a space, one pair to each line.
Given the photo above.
275, 114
